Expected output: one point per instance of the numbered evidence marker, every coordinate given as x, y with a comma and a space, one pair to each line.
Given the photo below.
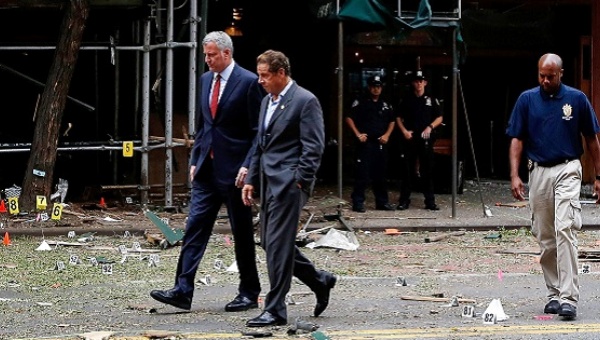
128, 149
586, 268
107, 268
219, 265
40, 202
60, 265
489, 319
13, 205
57, 211
153, 260
468, 311
74, 259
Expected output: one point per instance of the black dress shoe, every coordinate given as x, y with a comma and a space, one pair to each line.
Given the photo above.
266, 319
386, 207
359, 208
567, 311
240, 303
432, 207
402, 206
323, 294
552, 307
172, 297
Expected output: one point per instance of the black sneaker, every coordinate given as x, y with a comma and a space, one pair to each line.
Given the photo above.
567, 311
552, 307
359, 208
387, 207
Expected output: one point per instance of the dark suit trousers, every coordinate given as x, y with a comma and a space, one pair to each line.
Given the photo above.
205, 203
280, 217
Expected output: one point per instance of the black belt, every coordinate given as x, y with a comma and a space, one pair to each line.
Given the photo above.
554, 163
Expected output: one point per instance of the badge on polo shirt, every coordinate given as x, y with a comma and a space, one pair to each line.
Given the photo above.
567, 111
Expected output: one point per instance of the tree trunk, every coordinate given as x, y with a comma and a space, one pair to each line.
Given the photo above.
40, 168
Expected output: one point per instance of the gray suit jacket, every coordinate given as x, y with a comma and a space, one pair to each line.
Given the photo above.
289, 149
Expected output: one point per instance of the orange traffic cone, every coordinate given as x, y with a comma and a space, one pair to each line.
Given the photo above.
6, 240
2, 206
102, 202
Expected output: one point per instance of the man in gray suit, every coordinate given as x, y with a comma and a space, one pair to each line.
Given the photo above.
290, 143
229, 99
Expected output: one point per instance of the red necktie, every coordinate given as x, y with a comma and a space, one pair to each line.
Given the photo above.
214, 100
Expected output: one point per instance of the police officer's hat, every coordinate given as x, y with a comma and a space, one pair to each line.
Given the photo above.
418, 75
374, 81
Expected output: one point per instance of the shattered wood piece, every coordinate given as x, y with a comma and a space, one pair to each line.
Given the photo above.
96, 335
8, 265
69, 212
518, 204
154, 239
436, 299
443, 236
142, 307
317, 230
518, 252
158, 334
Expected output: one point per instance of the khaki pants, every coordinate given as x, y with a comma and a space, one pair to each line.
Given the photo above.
556, 216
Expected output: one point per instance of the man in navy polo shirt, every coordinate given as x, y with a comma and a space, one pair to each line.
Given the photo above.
548, 122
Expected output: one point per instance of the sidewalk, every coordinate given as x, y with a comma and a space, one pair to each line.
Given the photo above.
487, 206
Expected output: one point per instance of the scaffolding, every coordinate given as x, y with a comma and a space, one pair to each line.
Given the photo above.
144, 52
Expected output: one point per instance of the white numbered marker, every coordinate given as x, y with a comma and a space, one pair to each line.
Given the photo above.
107, 268
489, 319
60, 265
73, 259
468, 311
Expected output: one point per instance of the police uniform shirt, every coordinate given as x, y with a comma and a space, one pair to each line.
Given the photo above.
418, 112
370, 117
551, 125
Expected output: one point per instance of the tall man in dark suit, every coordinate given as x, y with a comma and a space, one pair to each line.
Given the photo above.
290, 145
229, 100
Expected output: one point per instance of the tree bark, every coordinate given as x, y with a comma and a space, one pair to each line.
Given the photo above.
40, 167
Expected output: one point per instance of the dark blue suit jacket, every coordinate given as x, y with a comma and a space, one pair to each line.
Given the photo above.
231, 133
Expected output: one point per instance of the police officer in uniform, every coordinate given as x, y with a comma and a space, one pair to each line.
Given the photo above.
371, 120
417, 117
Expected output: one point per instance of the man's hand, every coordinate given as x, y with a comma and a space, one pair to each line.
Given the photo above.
517, 188
597, 191
426, 134
408, 134
247, 193
192, 172
362, 137
240, 179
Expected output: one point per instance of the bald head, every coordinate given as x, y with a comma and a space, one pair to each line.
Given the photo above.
550, 59
550, 72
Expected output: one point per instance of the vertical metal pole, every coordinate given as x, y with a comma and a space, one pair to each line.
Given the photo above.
203, 32
115, 155
169, 109
454, 121
340, 101
192, 68
145, 114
